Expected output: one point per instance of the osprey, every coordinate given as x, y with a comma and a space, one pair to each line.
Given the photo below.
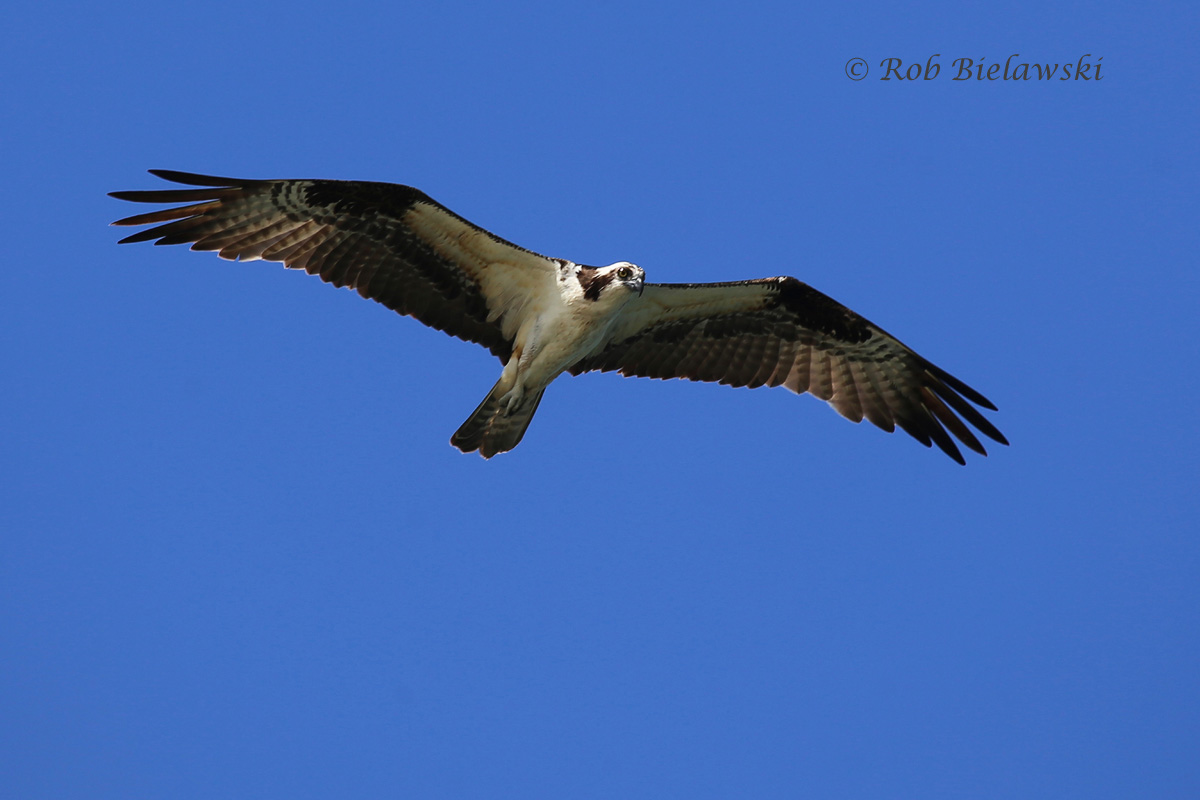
544, 316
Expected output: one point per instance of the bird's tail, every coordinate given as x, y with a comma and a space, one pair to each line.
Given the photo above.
492, 428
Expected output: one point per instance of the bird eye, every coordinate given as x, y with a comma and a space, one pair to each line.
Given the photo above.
624, 273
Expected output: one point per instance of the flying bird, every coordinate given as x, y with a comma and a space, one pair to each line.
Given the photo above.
545, 316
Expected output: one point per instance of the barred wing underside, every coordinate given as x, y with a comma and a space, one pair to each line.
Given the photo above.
390, 243
781, 332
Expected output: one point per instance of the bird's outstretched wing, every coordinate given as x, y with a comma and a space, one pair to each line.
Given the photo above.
779, 331
390, 243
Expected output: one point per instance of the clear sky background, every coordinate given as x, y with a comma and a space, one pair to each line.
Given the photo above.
239, 557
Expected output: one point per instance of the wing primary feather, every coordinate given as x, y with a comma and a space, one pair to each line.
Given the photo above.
192, 179
914, 429
952, 423
939, 436
183, 231
165, 215
172, 196
969, 412
960, 387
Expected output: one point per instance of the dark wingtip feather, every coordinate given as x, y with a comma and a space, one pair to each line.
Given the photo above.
194, 179
215, 187
943, 440
912, 430
970, 414
960, 387
949, 420
140, 236
176, 195
141, 195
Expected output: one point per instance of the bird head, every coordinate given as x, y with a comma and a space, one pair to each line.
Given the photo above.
628, 275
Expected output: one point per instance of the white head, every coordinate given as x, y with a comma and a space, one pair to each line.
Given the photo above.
616, 282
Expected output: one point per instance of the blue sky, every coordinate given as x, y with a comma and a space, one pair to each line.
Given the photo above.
240, 558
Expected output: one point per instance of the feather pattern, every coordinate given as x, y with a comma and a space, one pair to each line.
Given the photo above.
392, 244
779, 331
397, 246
